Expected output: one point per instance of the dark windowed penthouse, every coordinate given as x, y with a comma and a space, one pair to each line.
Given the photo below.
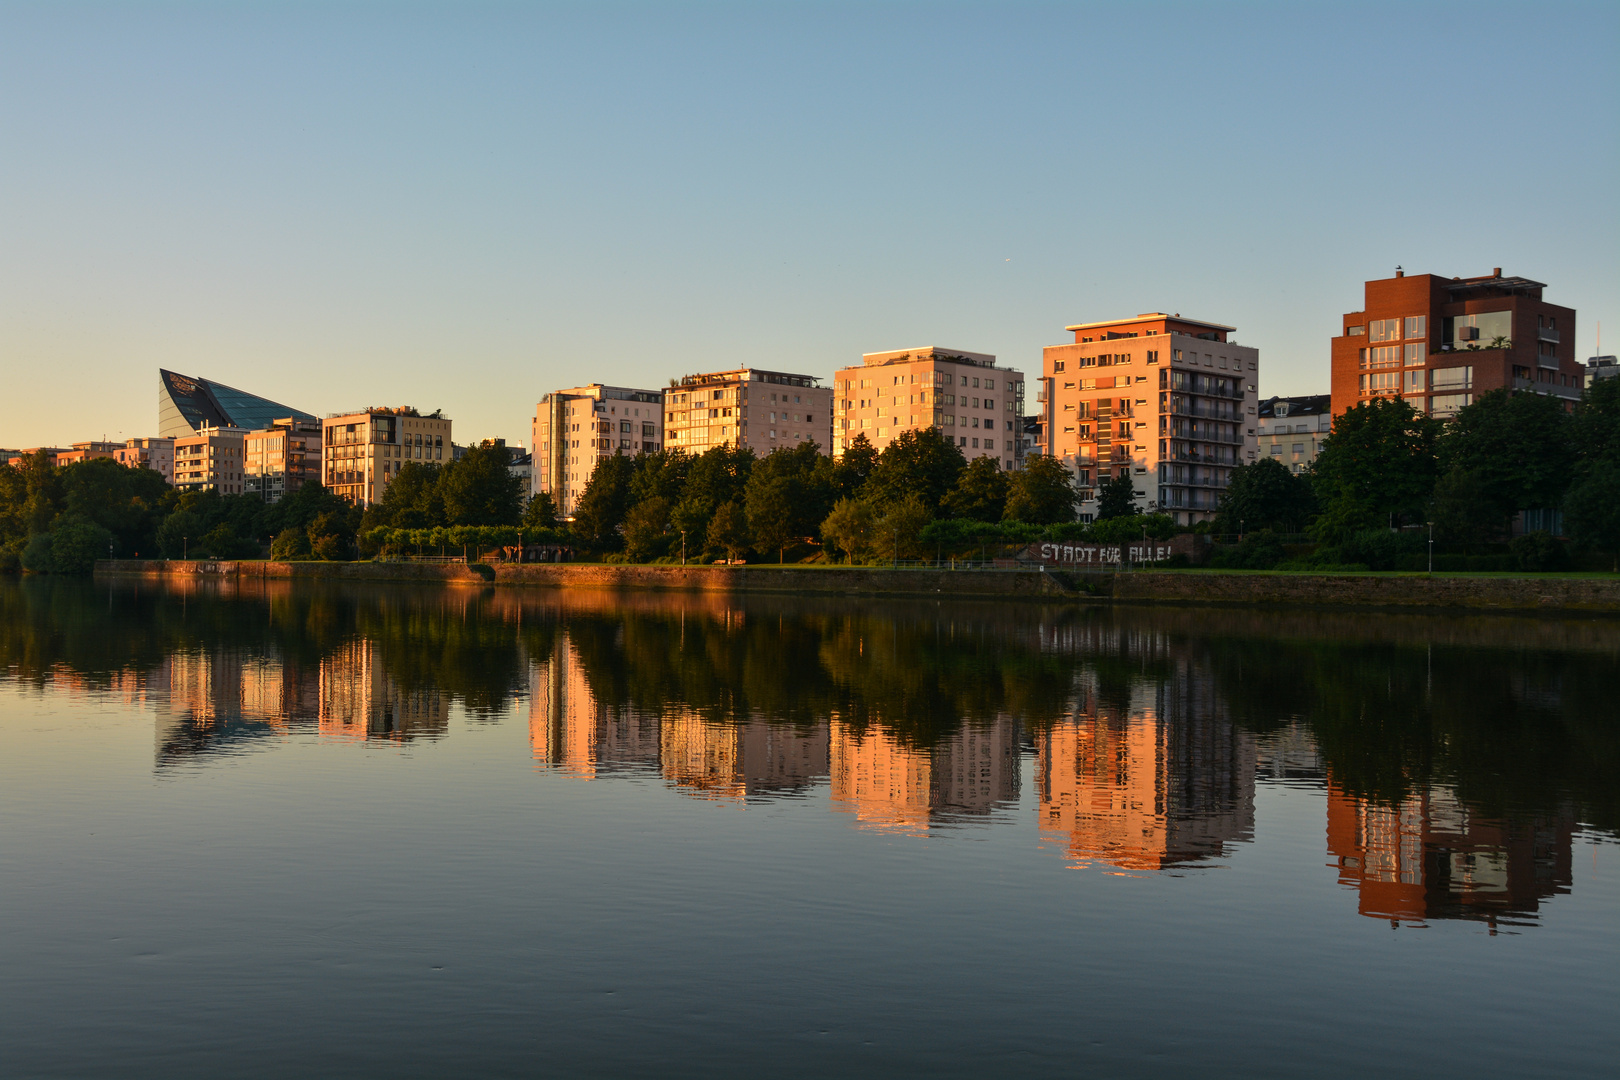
187, 404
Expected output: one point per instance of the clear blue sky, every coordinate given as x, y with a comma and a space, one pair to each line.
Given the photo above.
465, 206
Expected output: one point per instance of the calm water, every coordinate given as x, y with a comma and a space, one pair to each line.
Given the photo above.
391, 832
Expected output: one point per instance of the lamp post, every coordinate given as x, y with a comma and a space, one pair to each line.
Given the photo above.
1431, 548
185, 548
683, 547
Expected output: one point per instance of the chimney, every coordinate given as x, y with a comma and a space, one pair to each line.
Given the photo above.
1399, 272
1496, 272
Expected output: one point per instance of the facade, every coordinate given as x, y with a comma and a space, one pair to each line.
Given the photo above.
520, 463
283, 457
187, 404
211, 460
362, 452
1601, 367
1168, 401
155, 454
977, 405
1440, 342
86, 451
1291, 430
748, 407
573, 429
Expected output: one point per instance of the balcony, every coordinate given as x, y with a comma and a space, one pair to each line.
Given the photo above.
1548, 333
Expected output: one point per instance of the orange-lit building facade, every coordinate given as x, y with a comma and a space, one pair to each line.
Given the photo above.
86, 451
282, 458
573, 429
1440, 342
361, 452
1147, 785
211, 460
1433, 857
963, 395
887, 783
1167, 401
748, 407
155, 454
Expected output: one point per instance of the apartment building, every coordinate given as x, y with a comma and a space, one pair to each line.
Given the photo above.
155, 454
1168, 401
86, 451
210, 460
975, 404
362, 452
1291, 429
573, 429
282, 457
1601, 367
748, 407
1440, 342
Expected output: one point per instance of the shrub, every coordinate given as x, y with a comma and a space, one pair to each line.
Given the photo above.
1539, 552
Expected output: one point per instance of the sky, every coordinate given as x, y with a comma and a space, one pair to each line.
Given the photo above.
465, 206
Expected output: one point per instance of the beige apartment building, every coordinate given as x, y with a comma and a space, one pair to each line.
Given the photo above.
573, 429
1291, 430
748, 407
85, 451
362, 452
977, 405
282, 457
210, 460
155, 454
1168, 401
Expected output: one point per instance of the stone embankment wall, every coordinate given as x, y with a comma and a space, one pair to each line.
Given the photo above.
1135, 587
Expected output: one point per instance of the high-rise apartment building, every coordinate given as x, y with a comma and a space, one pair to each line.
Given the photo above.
210, 460
748, 407
1440, 342
154, 454
1291, 430
362, 452
975, 404
282, 457
573, 429
1167, 401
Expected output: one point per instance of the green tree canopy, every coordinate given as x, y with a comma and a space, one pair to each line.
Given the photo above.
718, 475
541, 512
728, 530
1516, 445
480, 489
605, 501
850, 528
1117, 498
1377, 465
980, 493
922, 463
1264, 494
1042, 492
855, 466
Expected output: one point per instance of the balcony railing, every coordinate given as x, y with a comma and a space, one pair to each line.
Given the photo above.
1548, 333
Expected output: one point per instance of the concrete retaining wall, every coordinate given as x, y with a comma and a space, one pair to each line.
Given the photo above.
1150, 587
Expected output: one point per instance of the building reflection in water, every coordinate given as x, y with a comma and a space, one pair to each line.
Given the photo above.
887, 784
212, 701
359, 700
577, 735
1431, 856
1163, 779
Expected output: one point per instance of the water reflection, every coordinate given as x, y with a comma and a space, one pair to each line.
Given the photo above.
1455, 759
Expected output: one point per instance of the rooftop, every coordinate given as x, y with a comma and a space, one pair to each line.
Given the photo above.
1151, 315
928, 352
1309, 405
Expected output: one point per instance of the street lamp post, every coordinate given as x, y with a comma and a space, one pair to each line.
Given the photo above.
683, 547
185, 547
1431, 547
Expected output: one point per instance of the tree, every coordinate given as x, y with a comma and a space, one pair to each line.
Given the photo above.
921, 463
897, 533
728, 530
1042, 492
855, 465
1595, 428
980, 493
1517, 446
850, 527
412, 499
1592, 510
1266, 495
1461, 513
290, 544
646, 529
716, 476
789, 492
660, 474
1378, 465
604, 502
1117, 498
480, 489
541, 513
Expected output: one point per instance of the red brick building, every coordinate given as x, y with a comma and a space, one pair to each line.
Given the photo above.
1441, 342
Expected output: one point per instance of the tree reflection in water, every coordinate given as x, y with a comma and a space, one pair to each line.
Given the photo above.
1457, 756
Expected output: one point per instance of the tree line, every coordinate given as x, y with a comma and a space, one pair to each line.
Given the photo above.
1386, 466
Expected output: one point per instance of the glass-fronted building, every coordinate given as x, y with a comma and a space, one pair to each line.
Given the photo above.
187, 404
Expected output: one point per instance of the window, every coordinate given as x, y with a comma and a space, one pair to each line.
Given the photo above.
989, 384
1417, 326
1414, 381
1454, 378
1355, 331
1416, 354
1299, 448
1450, 403
1276, 449
1381, 356
989, 444
1381, 382
1385, 330
1057, 366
